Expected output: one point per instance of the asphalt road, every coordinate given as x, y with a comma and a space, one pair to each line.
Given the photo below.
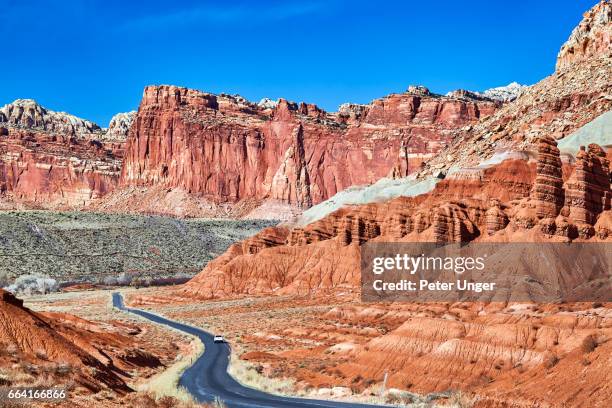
208, 379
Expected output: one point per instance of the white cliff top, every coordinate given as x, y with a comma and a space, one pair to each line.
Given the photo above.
27, 113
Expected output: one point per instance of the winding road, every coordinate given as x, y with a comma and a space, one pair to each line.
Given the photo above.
208, 379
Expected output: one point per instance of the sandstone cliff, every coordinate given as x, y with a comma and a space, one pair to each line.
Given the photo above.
55, 160
225, 148
592, 37
55, 170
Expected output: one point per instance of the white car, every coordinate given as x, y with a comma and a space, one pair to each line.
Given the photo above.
218, 339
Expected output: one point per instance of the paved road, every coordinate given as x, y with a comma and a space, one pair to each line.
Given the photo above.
208, 379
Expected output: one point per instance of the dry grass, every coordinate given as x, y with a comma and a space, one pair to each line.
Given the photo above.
246, 374
165, 384
589, 344
175, 349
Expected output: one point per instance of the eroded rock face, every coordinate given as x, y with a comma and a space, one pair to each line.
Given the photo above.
498, 214
28, 114
54, 170
34, 334
451, 223
576, 94
592, 37
496, 218
55, 160
587, 195
548, 187
228, 149
119, 127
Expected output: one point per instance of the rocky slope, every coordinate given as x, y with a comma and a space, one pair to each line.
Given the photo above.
576, 94
592, 37
32, 339
226, 149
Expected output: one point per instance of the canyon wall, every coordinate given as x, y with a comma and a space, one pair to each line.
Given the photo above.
225, 148
50, 170
56, 160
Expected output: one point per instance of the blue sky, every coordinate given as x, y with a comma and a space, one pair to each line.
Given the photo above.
92, 58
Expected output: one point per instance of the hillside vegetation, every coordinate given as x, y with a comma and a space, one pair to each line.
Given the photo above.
91, 247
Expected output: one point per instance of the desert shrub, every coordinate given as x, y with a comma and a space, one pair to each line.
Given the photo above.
124, 279
589, 344
149, 400
41, 355
109, 281
551, 361
62, 369
4, 381
5, 280
400, 398
32, 284
461, 400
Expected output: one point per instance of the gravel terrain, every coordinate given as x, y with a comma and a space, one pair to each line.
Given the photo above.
87, 247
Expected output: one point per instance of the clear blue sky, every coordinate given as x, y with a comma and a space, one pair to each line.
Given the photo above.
92, 58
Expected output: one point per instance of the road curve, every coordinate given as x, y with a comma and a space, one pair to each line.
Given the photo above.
208, 379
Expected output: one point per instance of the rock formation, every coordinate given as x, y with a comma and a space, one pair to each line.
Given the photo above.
591, 38
548, 187
36, 339
576, 94
56, 170
53, 170
506, 93
228, 149
28, 114
55, 160
498, 214
119, 127
451, 223
497, 219
588, 192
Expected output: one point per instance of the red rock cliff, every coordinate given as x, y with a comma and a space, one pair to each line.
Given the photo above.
226, 149
56, 170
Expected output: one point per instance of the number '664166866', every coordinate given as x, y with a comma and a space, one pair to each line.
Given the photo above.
33, 394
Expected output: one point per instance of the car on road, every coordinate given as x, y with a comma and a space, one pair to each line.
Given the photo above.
218, 339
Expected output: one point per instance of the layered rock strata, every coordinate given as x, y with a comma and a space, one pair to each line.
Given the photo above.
52, 170
226, 149
548, 190
434, 217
